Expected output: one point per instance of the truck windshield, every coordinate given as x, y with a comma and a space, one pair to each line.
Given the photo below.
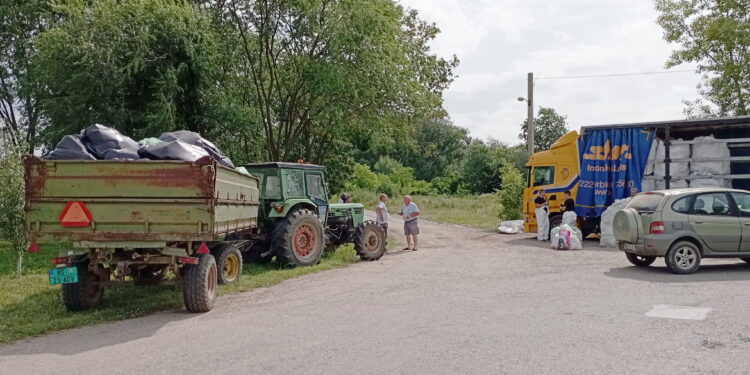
645, 202
544, 176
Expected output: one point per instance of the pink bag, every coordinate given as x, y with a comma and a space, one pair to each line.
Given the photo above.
563, 240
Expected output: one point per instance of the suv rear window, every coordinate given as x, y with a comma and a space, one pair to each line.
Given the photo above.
645, 202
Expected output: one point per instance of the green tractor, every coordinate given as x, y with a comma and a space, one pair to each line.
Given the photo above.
296, 224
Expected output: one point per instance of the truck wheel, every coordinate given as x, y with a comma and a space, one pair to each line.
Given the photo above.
228, 262
298, 239
554, 222
199, 284
683, 258
369, 241
640, 260
88, 292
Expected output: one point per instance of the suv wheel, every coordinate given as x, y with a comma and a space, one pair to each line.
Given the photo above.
683, 258
640, 260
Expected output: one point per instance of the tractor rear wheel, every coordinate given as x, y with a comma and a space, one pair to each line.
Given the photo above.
369, 241
298, 239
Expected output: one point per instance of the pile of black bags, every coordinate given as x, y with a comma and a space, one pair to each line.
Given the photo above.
98, 142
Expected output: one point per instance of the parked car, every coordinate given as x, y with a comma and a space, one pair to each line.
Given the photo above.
684, 226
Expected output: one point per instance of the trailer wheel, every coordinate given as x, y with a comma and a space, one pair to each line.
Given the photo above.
88, 292
369, 241
298, 239
199, 284
228, 262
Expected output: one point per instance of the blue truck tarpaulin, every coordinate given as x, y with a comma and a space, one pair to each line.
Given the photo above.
612, 161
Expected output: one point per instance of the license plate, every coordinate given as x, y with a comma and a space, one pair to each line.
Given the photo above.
628, 246
65, 275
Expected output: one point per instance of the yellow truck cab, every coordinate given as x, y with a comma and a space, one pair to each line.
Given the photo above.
554, 170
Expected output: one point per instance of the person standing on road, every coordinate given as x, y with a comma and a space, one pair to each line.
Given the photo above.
569, 210
410, 212
381, 211
542, 216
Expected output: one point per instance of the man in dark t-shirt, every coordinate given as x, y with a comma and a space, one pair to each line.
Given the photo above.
569, 204
569, 210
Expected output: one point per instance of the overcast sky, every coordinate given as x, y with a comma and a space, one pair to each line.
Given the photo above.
500, 41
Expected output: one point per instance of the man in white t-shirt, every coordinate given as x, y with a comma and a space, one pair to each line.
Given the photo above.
381, 211
410, 212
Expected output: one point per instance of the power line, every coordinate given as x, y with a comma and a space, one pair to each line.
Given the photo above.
619, 74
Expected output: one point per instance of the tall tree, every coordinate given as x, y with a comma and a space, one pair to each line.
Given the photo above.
142, 66
20, 22
437, 144
714, 34
549, 126
323, 70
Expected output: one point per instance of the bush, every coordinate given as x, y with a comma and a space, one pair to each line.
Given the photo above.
448, 184
363, 178
386, 165
12, 202
510, 197
422, 188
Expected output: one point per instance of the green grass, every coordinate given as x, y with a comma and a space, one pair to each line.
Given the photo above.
29, 306
478, 211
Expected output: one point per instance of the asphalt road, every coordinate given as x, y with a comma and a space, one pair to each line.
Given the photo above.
467, 302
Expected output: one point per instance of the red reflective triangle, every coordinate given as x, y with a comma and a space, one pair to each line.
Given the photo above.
75, 214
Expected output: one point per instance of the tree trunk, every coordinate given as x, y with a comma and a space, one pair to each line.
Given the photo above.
19, 266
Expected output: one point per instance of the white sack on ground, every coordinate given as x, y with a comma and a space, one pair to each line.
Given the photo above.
569, 218
511, 227
709, 148
607, 220
570, 241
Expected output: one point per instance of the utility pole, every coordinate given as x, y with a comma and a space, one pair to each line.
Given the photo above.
530, 120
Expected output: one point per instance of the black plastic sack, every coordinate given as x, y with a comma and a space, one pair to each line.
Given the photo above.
195, 139
123, 154
99, 139
173, 150
70, 148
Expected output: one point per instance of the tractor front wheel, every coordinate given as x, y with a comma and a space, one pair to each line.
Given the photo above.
298, 239
369, 241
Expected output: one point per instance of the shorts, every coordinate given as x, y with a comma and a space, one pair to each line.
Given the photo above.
385, 228
411, 227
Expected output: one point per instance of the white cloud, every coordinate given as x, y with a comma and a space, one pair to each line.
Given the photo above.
498, 42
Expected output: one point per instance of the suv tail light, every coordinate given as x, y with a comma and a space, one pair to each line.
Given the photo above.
657, 227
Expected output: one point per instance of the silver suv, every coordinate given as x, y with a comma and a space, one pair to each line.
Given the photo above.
683, 226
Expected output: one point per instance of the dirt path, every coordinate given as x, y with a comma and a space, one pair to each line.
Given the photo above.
468, 301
